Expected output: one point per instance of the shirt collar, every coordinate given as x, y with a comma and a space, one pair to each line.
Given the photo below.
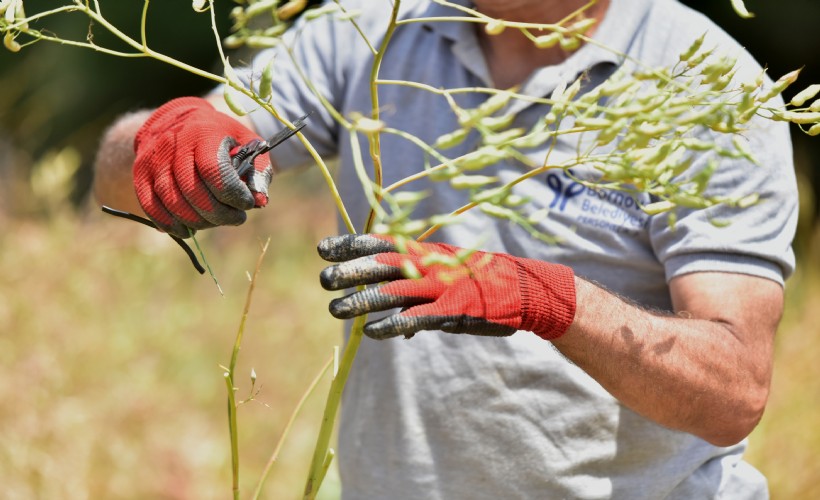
614, 36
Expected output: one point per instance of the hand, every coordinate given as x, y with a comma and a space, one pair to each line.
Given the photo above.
183, 173
481, 294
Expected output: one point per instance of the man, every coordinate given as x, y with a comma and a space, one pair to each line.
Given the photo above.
653, 354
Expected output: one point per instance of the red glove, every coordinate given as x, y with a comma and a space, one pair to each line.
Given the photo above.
487, 294
183, 173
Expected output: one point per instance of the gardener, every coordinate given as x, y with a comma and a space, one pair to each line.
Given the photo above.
651, 356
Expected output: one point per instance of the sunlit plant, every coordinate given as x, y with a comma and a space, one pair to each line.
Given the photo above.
640, 131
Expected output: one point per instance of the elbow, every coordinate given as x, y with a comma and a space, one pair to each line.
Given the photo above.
740, 418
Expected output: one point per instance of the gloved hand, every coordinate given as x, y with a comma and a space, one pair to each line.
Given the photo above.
183, 174
486, 294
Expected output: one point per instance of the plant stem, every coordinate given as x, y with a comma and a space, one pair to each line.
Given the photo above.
230, 375
375, 138
313, 384
320, 453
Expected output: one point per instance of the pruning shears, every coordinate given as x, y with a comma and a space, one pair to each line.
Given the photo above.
242, 161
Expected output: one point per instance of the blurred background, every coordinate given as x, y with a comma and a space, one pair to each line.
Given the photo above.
110, 343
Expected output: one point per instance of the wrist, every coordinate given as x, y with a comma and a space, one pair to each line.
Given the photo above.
548, 297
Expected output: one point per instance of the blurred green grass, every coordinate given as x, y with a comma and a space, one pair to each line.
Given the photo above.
111, 345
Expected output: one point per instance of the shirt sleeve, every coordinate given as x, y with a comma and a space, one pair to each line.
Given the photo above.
309, 52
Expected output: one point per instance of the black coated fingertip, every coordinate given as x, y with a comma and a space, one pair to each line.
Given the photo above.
336, 248
329, 278
383, 329
340, 309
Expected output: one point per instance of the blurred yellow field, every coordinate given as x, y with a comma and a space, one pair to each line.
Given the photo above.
111, 349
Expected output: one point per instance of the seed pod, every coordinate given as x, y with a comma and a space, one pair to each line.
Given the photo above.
743, 148
260, 7
452, 139
514, 200
472, 181
748, 200
368, 125
696, 45
409, 197
615, 86
689, 201
266, 81
347, 16
699, 58
570, 43
593, 123
498, 212
482, 157
494, 103
538, 216
803, 118
804, 95
497, 122
582, 26
503, 137
443, 174
610, 133
328, 8
232, 103
815, 106
11, 43
494, 196
658, 207
547, 41
291, 9
814, 130
494, 27
779, 86
740, 9
199, 5
261, 42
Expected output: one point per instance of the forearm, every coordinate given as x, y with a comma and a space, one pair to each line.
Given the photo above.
113, 178
694, 374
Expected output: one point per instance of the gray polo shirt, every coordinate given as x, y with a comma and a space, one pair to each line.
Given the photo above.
454, 416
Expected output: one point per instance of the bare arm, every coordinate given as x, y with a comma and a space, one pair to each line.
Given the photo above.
113, 178
705, 370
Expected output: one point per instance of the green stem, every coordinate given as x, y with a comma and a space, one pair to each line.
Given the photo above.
313, 384
232, 427
375, 138
331, 408
229, 375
